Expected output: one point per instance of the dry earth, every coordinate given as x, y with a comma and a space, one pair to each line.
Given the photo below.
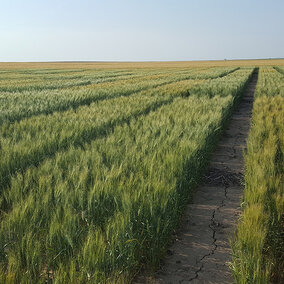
201, 252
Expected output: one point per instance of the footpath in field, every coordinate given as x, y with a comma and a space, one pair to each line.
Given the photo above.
201, 251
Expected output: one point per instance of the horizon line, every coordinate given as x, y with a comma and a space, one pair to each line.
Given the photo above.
145, 61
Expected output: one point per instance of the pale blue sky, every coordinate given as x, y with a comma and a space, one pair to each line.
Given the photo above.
134, 30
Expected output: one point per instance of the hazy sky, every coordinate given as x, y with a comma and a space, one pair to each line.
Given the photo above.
44, 30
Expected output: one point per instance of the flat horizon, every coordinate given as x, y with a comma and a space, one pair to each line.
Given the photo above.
133, 61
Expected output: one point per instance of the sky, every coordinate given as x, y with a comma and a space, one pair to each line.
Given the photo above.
140, 30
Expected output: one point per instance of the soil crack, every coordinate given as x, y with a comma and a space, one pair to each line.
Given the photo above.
212, 226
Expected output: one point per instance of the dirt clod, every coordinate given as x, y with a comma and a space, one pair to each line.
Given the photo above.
225, 178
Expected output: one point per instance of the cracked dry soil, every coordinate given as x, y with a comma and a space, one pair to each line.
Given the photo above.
200, 252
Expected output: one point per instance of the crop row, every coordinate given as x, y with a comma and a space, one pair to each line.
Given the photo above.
99, 211
31, 140
15, 106
18, 79
19, 105
30, 82
259, 244
22, 82
280, 69
64, 75
270, 83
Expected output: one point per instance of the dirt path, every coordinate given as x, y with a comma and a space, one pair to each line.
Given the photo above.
201, 251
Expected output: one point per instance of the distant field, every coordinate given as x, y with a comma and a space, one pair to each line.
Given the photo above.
98, 160
119, 65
